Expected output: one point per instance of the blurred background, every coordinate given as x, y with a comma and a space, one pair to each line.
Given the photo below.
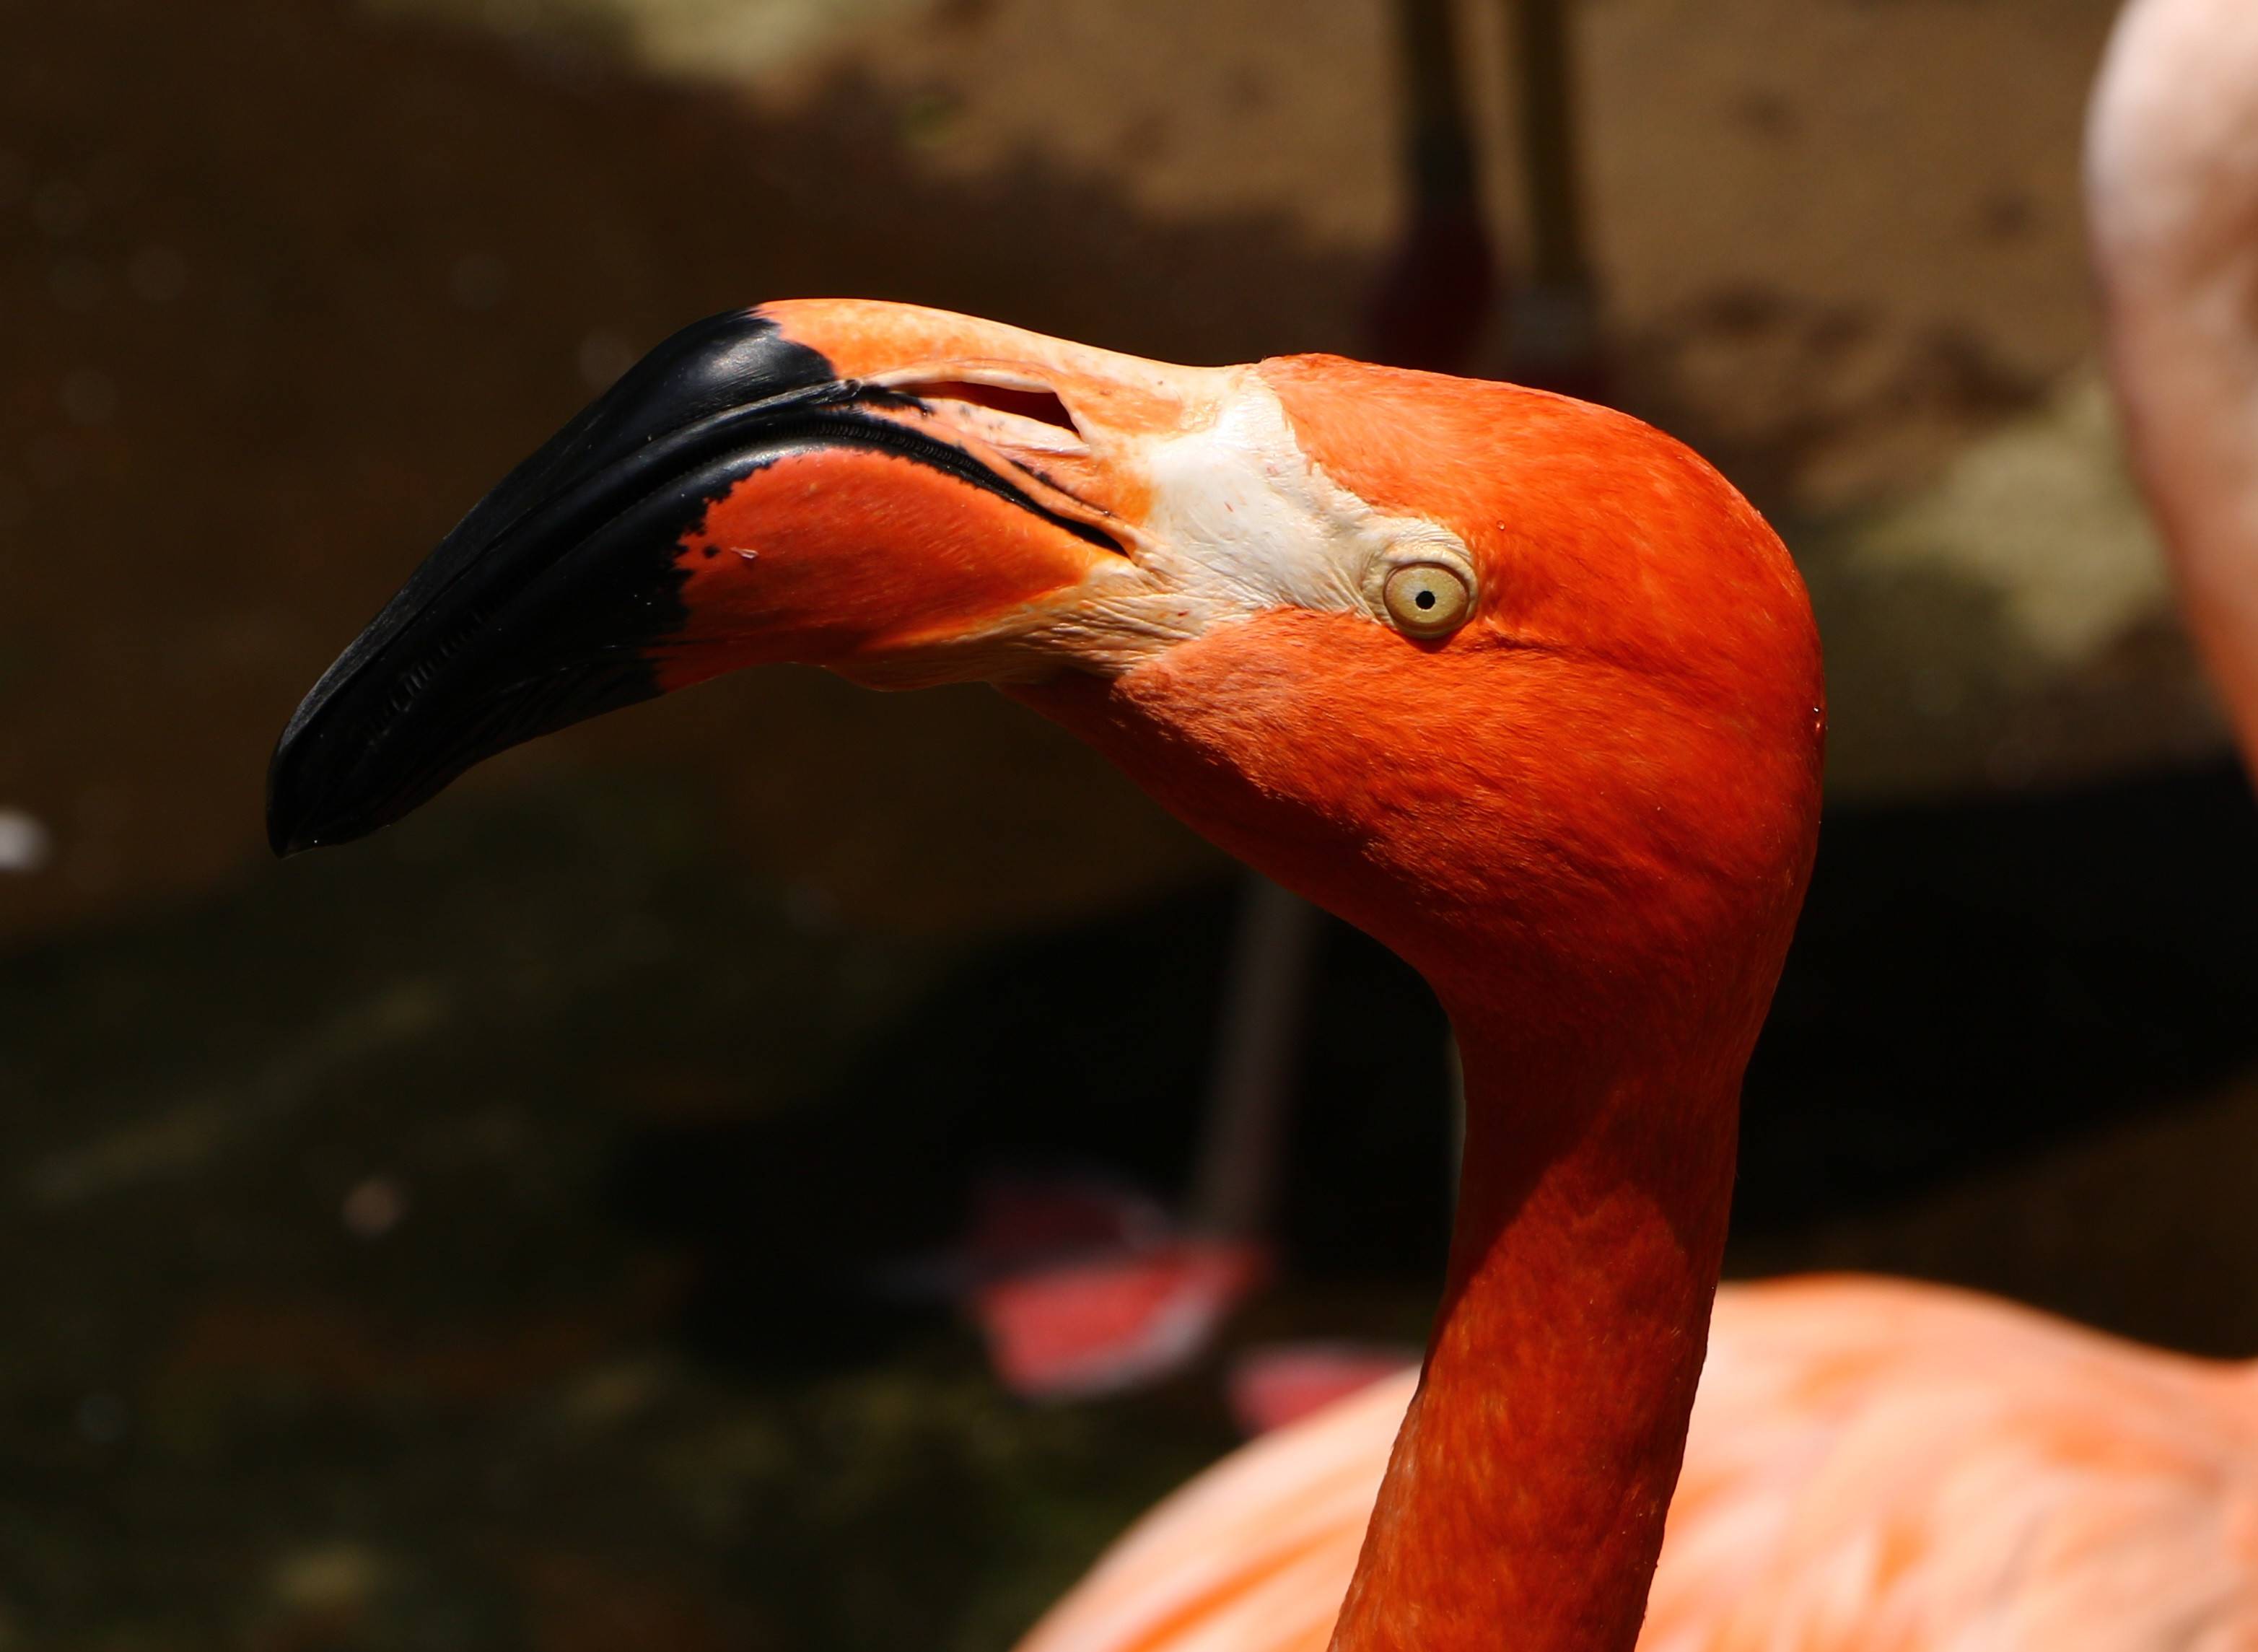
469, 1238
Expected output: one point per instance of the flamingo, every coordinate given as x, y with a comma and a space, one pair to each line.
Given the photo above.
1523, 689
1518, 684
1873, 1463
2172, 201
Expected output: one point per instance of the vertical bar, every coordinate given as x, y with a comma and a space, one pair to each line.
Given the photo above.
1442, 153
1554, 336
1265, 997
1552, 165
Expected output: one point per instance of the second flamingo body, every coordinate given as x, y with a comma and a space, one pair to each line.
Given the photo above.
1874, 1466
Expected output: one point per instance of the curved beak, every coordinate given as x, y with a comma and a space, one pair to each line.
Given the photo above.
900, 495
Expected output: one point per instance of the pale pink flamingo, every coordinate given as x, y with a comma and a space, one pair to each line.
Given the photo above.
2172, 198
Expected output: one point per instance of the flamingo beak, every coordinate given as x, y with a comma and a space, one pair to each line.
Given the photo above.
838, 484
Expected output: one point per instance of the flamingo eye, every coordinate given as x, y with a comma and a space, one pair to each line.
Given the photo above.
1426, 600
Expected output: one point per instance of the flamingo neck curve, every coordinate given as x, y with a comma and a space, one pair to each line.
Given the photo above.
1604, 1035
1524, 1500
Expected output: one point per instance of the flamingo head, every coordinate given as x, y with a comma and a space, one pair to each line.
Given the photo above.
1430, 651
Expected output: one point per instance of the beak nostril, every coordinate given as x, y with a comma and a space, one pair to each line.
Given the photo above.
1041, 406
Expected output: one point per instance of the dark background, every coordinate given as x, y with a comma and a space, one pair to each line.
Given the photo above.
454, 1240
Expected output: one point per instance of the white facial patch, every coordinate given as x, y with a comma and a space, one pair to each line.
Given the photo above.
1242, 522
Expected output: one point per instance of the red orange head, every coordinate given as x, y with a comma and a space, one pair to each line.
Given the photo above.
1421, 647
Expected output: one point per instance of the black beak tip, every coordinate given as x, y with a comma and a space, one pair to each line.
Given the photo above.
287, 829
287, 835
541, 608
296, 817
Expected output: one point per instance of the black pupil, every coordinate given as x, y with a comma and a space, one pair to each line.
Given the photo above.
1425, 599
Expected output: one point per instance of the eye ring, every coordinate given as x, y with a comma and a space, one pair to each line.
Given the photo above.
1427, 600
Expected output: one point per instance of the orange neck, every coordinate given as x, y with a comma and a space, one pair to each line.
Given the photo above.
1606, 936
1524, 1506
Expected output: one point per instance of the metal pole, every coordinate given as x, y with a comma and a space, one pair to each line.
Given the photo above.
1434, 295
1556, 322
1266, 989
1442, 148
1551, 165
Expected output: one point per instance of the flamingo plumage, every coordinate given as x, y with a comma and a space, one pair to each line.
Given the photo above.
1586, 812
1518, 684
1874, 1464
2172, 199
